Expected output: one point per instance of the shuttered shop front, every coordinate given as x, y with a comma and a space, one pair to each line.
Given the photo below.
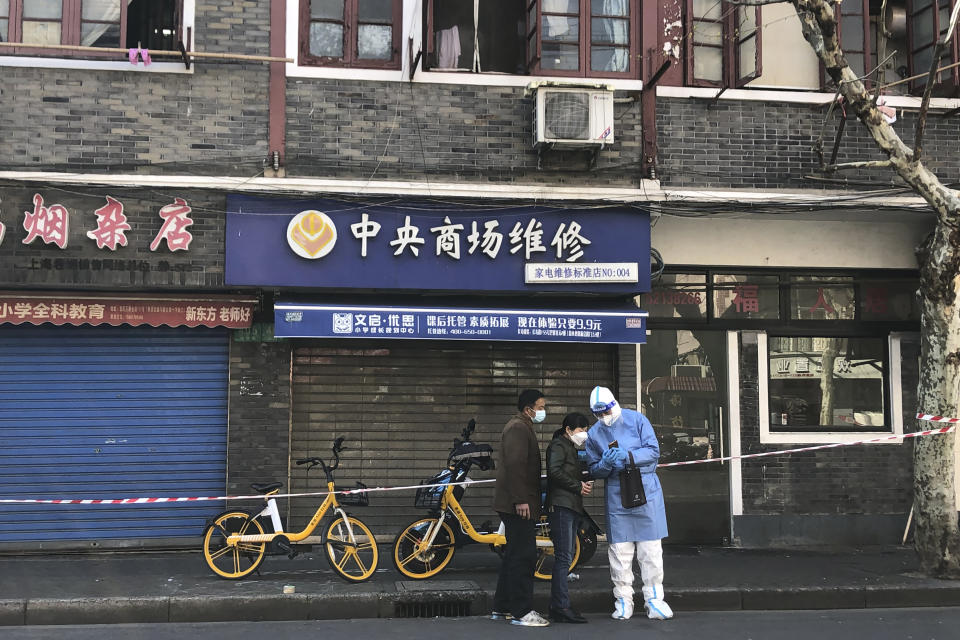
110, 412
400, 404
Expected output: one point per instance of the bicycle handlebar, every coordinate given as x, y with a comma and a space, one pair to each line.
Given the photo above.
314, 461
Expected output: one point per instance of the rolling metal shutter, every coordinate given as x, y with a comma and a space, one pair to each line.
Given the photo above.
401, 403
110, 412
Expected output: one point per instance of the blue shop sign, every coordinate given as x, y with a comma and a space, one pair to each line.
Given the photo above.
305, 320
323, 243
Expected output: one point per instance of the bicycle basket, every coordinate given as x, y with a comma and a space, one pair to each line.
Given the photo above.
353, 499
430, 497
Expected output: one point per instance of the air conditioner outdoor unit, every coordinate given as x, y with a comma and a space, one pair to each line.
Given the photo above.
689, 371
573, 117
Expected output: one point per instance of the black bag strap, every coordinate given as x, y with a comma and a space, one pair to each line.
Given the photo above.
632, 463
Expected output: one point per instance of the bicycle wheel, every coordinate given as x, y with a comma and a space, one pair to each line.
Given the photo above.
353, 558
426, 563
545, 555
232, 562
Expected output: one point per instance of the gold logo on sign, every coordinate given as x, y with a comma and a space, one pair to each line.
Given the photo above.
311, 234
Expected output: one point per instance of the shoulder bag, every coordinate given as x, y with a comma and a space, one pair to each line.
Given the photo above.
631, 486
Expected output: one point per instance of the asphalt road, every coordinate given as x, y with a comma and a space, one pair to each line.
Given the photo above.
852, 624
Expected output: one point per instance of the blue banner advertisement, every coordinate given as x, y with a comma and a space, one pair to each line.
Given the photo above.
425, 245
304, 320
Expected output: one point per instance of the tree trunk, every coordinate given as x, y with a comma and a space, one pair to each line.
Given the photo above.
937, 537
827, 360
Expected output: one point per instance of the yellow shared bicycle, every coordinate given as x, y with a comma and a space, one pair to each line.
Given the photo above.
426, 546
236, 541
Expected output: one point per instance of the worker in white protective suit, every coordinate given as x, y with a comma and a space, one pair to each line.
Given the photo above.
635, 531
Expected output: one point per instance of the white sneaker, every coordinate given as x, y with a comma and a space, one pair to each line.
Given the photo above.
658, 609
623, 609
532, 619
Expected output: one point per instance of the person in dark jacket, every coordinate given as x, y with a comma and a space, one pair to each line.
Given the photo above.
565, 491
517, 500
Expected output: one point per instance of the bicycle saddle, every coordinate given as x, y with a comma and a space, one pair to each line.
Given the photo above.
265, 487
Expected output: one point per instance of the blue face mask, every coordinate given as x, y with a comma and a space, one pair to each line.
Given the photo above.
539, 415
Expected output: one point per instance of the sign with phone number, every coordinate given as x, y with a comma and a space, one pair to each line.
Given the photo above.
302, 320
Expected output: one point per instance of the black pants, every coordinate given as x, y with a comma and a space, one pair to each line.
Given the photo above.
515, 585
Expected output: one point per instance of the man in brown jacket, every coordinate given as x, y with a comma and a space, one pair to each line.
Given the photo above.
517, 500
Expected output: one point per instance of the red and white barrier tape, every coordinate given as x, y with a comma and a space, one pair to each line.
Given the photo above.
780, 452
920, 416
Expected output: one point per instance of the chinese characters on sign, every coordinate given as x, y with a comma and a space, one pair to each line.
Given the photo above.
567, 241
51, 224
595, 272
745, 298
68, 310
296, 320
811, 366
413, 245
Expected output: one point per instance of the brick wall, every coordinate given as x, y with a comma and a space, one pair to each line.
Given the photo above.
211, 122
769, 145
389, 130
258, 448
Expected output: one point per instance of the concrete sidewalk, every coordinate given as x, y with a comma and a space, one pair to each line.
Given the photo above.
178, 587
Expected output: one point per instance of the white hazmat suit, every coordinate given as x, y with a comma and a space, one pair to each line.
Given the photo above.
636, 531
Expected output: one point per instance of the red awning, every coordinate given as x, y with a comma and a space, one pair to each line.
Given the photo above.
151, 309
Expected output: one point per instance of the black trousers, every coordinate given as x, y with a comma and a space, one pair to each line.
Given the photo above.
515, 584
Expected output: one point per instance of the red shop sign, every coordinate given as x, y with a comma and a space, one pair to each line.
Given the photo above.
153, 310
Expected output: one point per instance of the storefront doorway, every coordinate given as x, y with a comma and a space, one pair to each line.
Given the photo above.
683, 393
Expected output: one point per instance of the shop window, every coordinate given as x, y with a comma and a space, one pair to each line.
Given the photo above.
677, 295
151, 24
889, 300
723, 43
576, 38
737, 296
866, 392
822, 298
351, 33
826, 383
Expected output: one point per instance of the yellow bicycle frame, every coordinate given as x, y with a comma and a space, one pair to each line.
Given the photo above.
449, 501
329, 502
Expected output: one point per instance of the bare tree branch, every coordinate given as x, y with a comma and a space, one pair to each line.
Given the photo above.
937, 52
869, 164
819, 27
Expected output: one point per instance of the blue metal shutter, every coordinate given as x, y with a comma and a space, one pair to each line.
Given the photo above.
110, 412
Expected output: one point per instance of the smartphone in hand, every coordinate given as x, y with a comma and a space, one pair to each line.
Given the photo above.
613, 445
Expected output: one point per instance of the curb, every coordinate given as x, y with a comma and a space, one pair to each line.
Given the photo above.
455, 599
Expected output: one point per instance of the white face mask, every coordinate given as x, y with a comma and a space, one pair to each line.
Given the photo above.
539, 415
613, 417
578, 438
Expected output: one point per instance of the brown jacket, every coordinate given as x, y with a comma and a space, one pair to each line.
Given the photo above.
518, 476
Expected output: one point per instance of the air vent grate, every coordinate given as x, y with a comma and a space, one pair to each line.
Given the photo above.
567, 115
441, 609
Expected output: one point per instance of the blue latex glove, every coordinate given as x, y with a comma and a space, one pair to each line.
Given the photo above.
614, 458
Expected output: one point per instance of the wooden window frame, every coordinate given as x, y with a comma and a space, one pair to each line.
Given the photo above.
867, 51
730, 46
535, 35
350, 57
951, 54
71, 29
